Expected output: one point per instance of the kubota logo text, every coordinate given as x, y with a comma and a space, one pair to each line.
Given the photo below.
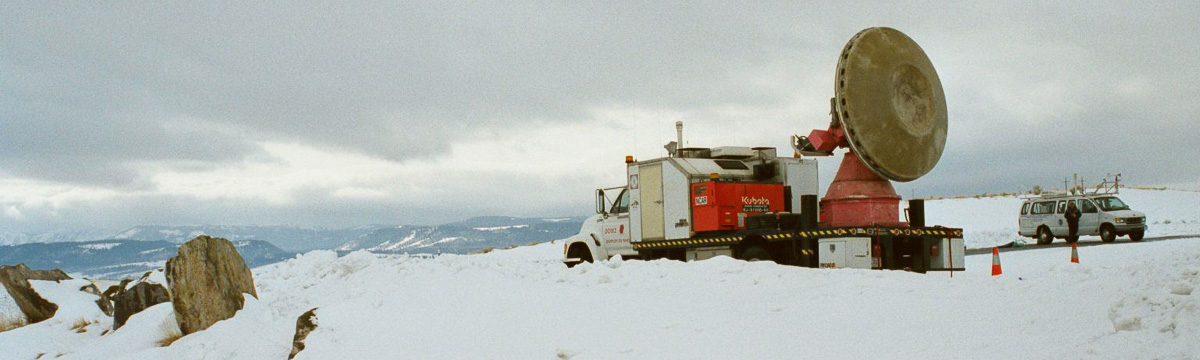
748, 200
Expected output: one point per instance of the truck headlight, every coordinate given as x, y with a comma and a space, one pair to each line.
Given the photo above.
1120, 220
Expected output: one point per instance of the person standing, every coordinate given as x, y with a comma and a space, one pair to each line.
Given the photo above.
1072, 216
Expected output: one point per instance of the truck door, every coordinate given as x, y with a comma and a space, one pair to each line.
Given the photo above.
1089, 217
616, 227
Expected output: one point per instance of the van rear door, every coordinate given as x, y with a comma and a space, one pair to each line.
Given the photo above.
1024, 222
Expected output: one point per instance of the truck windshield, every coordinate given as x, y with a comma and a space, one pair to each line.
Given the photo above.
1111, 203
621, 206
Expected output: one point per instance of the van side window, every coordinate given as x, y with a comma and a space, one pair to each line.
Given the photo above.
1062, 206
1025, 209
1087, 207
1045, 207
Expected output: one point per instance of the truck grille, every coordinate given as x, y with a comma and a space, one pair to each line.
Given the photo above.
1134, 220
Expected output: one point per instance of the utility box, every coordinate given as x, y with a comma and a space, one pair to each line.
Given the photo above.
708, 253
852, 253
947, 254
725, 206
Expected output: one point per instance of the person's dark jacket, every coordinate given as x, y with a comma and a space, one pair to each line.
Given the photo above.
1072, 215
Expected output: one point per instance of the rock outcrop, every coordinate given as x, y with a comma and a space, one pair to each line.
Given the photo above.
104, 302
305, 324
16, 281
138, 297
207, 280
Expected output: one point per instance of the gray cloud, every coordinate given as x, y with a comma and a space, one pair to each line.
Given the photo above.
92, 94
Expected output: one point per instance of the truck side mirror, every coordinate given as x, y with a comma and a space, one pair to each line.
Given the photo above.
600, 202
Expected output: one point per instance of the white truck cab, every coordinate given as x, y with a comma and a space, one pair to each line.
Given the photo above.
1105, 215
605, 234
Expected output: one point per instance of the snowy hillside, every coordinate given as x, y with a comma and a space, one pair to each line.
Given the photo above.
291, 238
465, 236
992, 221
459, 237
16, 238
522, 303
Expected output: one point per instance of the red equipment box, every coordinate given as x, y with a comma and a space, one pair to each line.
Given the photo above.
717, 205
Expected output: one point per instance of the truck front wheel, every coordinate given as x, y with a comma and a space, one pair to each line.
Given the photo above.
578, 251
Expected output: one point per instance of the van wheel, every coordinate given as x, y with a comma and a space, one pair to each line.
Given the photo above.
1137, 235
755, 253
1107, 233
1044, 236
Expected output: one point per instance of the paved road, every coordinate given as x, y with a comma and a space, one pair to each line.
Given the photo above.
1058, 243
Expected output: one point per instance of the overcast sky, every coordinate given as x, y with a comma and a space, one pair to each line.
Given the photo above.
337, 114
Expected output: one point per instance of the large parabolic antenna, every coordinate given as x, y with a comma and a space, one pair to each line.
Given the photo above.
889, 109
890, 103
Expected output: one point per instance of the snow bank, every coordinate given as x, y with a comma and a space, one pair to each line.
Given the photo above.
481, 307
9, 311
76, 325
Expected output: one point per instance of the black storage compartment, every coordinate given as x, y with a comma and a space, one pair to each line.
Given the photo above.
775, 221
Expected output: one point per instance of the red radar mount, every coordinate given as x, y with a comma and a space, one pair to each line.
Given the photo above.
857, 196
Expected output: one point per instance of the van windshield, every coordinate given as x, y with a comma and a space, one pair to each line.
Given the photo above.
1111, 203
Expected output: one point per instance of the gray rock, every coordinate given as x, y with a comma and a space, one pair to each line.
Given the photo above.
104, 302
16, 281
140, 296
207, 280
306, 323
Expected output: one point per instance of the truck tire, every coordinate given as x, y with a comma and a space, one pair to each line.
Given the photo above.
755, 253
1137, 235
1107, 233
579, 251
1044, 237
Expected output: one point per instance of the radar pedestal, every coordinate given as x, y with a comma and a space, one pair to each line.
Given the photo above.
858, 197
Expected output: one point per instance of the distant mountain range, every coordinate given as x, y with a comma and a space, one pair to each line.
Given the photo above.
133, 251
463, 237
114, 259
290, 238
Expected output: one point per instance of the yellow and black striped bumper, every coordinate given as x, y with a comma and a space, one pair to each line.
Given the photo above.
798, 235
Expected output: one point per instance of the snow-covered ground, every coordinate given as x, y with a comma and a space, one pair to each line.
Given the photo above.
10, 314
992, 221
1124, 301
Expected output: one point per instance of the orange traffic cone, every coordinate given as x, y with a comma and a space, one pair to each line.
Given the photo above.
1074, 254
996, 262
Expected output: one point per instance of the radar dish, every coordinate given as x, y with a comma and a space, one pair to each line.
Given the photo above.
889, 101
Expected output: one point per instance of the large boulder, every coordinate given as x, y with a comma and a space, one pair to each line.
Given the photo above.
306, 323
207, 280
16, 281
138, 297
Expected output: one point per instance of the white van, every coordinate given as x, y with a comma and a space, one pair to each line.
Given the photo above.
1100, 214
